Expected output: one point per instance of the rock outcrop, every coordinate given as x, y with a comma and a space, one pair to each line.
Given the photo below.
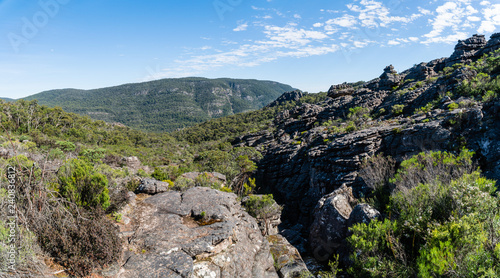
305, 159
199, 233
467, 50
152, 186
287, 97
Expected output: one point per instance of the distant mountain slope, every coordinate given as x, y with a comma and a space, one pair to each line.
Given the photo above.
167, 104
7, 99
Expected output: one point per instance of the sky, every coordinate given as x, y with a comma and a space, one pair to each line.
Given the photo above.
310, 45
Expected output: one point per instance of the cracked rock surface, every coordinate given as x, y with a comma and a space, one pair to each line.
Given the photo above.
198, 233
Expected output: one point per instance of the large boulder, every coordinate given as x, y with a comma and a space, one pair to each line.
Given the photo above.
198, 233
333, 216
152, 186
330, 222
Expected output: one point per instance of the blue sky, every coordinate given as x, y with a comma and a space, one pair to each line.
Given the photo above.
310, 45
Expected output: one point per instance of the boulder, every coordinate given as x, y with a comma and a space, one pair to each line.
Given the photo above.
287, 97
343, 89
198, 233
362, 213
132, 162
288, 261
152, 186
329, 228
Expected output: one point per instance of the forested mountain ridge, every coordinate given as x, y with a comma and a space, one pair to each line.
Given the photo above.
167, 104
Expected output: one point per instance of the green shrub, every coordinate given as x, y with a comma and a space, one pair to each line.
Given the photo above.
66, 146
397, 109
80, 183
445, 226
56, 154
93, 155
452, 106
182, 184
166, 173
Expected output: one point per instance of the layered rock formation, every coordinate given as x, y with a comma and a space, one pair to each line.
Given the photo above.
199, 233
304, 159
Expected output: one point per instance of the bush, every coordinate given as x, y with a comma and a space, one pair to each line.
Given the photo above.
397, 109
93, 155
66, 146
436, 227
432, 166
56, 154
81, 184
82, 244
182, 184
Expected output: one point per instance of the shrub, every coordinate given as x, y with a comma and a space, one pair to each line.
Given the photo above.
93, 155
66, 146
78, 182
182, 184
263, 207
437, 228
83, 243
397, 109
452, 106
166, 173
56, 154
432, 166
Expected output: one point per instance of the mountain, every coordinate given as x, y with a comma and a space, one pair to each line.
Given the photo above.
167, 104
7, 99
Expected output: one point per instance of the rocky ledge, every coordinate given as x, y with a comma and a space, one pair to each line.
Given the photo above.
198, 233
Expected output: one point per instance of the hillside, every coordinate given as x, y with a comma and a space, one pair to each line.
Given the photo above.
376, 179
167, 104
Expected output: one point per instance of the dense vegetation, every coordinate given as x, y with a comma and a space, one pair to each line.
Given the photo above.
167, 104
441, 219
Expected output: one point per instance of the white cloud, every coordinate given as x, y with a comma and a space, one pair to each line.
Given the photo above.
317, 25
485, 3
292, 36
491, 19
346, 21
424, 11
241, 27
373, 14
393, 42
473, 18
297, 16
451, 22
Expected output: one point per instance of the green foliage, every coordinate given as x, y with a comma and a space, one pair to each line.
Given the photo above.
66, 146
166, 172
334, 268
425, 109
182, 184
93, 155
56, 154
486, 84
397, 109
452, 106
427, 167
81, 184
249, 186
257, 206
438, 228
205, 180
